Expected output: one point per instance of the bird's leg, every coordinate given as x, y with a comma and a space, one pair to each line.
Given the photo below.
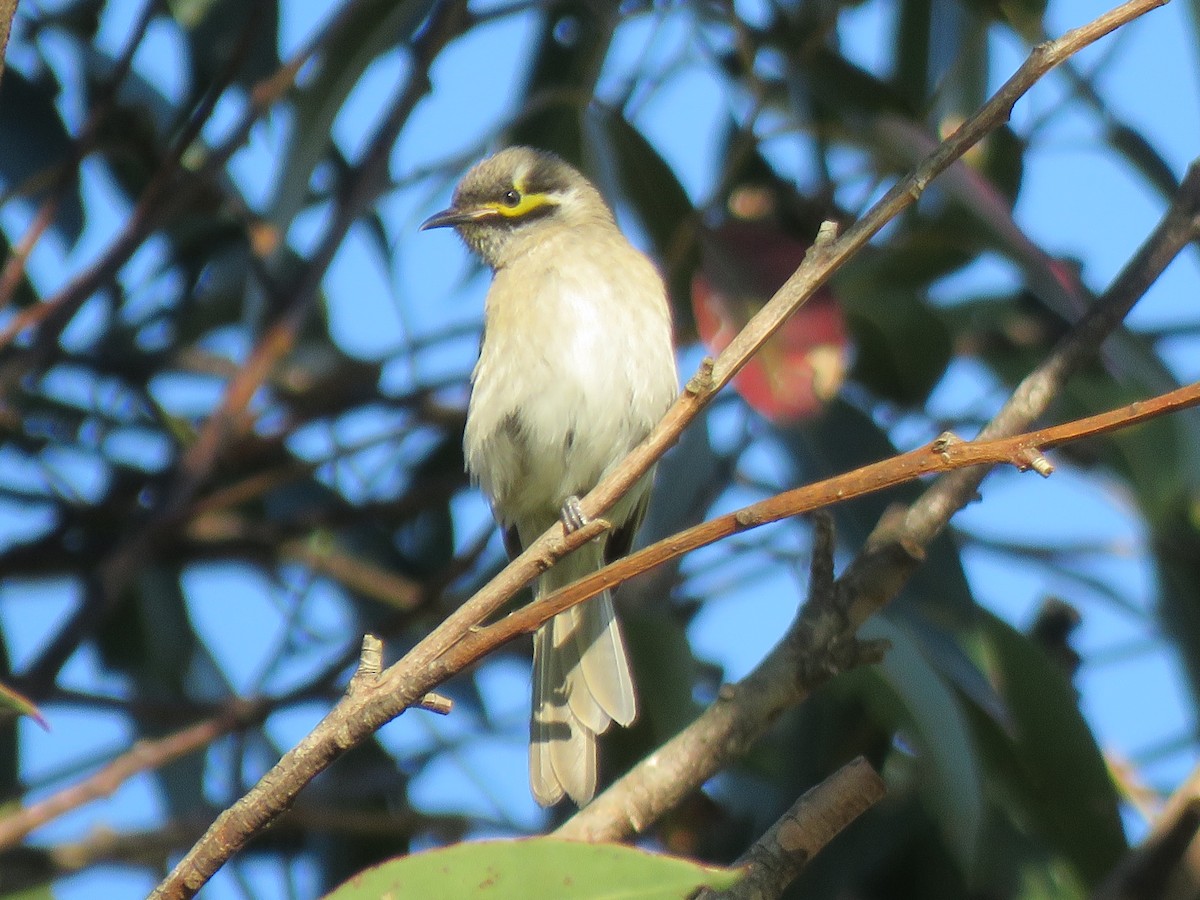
572, 515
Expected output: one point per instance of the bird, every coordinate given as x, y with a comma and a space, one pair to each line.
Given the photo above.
576, 366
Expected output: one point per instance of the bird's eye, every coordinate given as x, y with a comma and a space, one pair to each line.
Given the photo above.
511, 197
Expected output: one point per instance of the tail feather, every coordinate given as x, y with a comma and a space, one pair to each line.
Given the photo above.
581, 683
578, 682
603, 661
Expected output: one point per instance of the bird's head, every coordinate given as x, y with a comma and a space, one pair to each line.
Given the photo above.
515, 198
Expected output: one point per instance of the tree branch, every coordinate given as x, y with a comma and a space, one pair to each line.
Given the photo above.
894, 550
229, 419
821, 813
144, 756
361, 712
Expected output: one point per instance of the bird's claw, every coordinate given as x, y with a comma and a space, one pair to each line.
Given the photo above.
573, 517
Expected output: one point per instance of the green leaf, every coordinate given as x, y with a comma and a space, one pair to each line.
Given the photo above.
1059, 770
903, 345
953, 784
844, 438
520, 870
41, 892
219, 31
662, 205
571, 47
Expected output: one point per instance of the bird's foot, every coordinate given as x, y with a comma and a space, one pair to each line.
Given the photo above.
572, 515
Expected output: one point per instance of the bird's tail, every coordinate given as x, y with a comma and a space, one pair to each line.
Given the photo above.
581, 683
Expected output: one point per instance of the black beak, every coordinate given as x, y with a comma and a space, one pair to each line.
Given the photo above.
453, 217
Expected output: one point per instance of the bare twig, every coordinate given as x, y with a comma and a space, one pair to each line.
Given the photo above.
229, 419
356, 717
895, 549
1022, 451
145, 756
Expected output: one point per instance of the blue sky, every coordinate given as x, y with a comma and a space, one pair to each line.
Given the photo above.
1076, 201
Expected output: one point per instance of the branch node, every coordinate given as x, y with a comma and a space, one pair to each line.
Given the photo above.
436, 703
943, 442
370, 664
701, 384
1031, 458
747, 518
826, 235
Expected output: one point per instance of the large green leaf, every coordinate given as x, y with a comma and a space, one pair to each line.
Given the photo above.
222, 32
572, 44
844, 438
931, 715
541, 867
1054, 770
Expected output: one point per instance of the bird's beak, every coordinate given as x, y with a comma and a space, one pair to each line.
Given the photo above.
453, 217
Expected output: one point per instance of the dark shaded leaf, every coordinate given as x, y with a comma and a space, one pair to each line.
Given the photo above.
222, 33
649, 185
364, 30
1055, 769
34, 144
570, 48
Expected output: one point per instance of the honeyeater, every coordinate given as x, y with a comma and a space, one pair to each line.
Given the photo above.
575, 368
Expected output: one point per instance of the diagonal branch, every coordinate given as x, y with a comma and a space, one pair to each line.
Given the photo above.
229, 419
896, 548
810, 823
374, 699
369, 705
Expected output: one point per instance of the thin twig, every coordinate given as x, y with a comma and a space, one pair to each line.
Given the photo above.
935, 457
357, 716
145, 756
229, 419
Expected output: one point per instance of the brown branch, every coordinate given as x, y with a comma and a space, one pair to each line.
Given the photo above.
892, 553
229, 419
1167, 862
945, 454
145, 756
823, 812
361, 712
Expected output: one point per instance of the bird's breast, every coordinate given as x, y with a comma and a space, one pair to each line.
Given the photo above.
575, 368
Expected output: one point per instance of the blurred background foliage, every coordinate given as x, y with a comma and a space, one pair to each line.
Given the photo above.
232, 383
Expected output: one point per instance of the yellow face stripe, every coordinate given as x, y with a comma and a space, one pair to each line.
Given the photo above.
527, 204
